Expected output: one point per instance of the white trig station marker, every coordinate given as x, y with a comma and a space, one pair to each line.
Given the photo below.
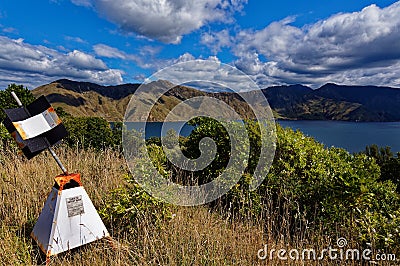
68, 218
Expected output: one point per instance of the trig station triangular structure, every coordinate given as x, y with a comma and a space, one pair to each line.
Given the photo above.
68, 219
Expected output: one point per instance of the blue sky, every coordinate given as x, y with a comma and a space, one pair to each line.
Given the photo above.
274, 42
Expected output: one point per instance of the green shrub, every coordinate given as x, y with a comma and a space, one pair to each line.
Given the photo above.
128, 208
332, 189
309, 187
5, 137
92, 132
7, 101
389, 164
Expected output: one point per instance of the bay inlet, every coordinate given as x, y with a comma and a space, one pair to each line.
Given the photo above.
352, 136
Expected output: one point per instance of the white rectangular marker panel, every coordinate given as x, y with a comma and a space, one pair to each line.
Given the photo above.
38, 124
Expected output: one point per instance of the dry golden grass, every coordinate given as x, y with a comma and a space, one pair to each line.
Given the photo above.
194, 236
24, 186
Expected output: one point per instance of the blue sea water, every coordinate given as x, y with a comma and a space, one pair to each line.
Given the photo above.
353, 136
154, 129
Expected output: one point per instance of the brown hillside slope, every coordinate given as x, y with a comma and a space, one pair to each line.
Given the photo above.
110, 102
330, 102
86, 103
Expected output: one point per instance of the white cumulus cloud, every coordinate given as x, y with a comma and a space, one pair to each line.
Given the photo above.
359, 48
216, 40
85, 61
164, 20
34, 65
145, 58
109, 52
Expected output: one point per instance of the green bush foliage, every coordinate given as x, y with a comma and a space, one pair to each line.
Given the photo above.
95, 132
313, 186
5, 137
389, 164
126, 209
7, 101
332, 188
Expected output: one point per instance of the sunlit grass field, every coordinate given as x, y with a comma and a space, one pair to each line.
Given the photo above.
190, 236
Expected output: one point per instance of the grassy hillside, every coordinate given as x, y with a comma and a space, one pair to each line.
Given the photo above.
87, 99
84, 103
148, 232
192, 236
330, 102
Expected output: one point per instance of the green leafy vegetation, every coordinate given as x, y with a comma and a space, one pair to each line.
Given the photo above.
7, 101
389, 163
316, 187
95, 132
332, 189
126, 207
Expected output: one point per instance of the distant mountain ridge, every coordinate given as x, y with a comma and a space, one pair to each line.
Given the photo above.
336, 102
329, 102
116, 92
